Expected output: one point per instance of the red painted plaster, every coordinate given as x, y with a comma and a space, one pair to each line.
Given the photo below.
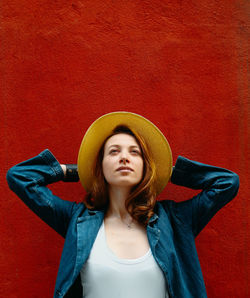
182, 64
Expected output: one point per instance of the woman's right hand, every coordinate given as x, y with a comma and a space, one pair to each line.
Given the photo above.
64, 169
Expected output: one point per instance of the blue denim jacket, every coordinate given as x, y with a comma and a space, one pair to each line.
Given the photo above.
171, 231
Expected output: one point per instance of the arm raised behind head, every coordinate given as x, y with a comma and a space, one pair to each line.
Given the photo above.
29, 180
219, 186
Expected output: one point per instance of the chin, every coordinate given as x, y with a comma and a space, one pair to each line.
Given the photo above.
124, 183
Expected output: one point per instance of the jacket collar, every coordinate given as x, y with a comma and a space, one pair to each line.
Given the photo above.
153, 219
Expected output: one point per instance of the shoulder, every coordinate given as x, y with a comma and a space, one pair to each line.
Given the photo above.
179, 211
79, 208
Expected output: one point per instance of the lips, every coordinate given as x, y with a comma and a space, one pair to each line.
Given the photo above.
125, 169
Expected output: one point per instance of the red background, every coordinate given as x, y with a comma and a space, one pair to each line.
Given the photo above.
181, 64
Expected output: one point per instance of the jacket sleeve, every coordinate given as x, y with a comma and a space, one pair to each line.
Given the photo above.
219, 186
29, 181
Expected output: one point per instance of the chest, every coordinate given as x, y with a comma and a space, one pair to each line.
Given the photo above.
124, 242
105, 274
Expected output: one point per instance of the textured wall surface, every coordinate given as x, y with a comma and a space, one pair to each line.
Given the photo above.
182, 64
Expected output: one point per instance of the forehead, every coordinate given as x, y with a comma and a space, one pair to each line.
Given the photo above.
121, 139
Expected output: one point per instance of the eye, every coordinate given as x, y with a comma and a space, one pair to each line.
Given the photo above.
135, 152
113, 151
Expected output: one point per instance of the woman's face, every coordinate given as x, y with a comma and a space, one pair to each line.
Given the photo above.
122, 162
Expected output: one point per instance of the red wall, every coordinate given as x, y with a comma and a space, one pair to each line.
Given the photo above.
182, 64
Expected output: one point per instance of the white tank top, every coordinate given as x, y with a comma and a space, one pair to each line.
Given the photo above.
104, 275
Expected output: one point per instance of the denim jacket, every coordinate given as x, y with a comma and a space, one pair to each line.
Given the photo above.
171, 231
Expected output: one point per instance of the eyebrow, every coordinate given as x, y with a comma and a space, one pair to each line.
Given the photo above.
132, 146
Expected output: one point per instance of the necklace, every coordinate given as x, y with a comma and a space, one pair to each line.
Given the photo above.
129, 225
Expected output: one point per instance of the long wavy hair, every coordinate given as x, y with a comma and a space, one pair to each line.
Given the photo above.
142, 198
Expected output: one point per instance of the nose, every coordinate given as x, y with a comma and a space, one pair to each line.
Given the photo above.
124, 159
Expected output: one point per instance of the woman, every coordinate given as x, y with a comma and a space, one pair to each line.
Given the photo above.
121, 242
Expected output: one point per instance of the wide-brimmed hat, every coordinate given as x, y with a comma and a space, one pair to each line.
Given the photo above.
101, 128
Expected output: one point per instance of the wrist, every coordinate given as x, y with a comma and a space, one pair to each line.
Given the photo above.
70, 173
64, 169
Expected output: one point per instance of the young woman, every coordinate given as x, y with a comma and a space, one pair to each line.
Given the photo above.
122, 242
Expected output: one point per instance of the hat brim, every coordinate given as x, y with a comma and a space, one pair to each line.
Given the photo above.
103, 127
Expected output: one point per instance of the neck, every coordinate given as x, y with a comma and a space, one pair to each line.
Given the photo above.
117, 198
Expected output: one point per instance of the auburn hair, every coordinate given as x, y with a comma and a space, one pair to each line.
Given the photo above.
142, 198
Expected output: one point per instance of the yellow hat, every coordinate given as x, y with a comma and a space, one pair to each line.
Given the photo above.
103, 127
